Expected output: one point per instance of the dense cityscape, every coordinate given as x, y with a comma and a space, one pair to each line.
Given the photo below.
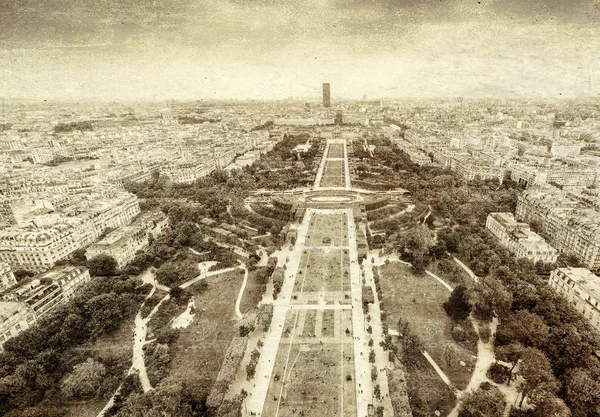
232, 258
299, 208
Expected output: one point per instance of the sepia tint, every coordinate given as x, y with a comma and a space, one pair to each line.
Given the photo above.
307, 208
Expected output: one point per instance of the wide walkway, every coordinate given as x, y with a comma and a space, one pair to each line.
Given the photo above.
307, 292
264, 369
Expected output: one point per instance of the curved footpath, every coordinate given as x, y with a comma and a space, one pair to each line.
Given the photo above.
138, 363
240, 295
485, 350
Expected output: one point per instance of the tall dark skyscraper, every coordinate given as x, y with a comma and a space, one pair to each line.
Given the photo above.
326, 95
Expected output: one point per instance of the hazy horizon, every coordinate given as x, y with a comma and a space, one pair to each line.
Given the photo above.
135, 50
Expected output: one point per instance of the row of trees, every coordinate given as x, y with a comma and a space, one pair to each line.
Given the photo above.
72, 126
279, 169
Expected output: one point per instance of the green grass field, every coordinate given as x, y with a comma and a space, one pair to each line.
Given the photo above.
252, 294
201, 347
336, 150
323, 271
333, 174
419, 300
310, 373
328, 230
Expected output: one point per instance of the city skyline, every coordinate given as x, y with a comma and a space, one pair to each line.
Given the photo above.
270, 50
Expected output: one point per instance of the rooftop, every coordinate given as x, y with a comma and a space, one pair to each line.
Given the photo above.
8, 308
585, 278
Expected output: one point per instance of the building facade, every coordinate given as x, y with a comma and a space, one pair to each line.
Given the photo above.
519, 239
571, 224
326, 95
581, 288
123, 243
24, 305
52, 237
7, 278
15, 317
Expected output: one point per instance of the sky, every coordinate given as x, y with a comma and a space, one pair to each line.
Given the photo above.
269, 49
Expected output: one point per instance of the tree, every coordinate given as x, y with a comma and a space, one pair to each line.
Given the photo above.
487, 401
510, 353
78, 257
175, 273
458, 306
75, 327
539, 381
165, 400
569, 348
523, 326
105, 312
102, 265
415, 244
411, 344
489, 298
551, 405
84, 380
583, 393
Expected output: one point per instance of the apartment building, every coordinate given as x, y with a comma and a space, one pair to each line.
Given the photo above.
24, 305
182, 173
417, 156
581, 288
571, 224
123, 243
519, 239
565, 149
15, 317
7, 278
470, 169
153, 222
223, 156
568, 177
53, 235
572, 177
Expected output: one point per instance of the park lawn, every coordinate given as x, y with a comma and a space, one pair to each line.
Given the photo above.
336, 150
310, 320
117, 344
428, 393
200, 349
89, 408
453, 279
252, 294
333, 174
328, 326
328, 226
314, 380
333, 180
326, 273
291, 322
419, 300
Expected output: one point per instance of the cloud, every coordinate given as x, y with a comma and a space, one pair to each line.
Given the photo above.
268, 48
